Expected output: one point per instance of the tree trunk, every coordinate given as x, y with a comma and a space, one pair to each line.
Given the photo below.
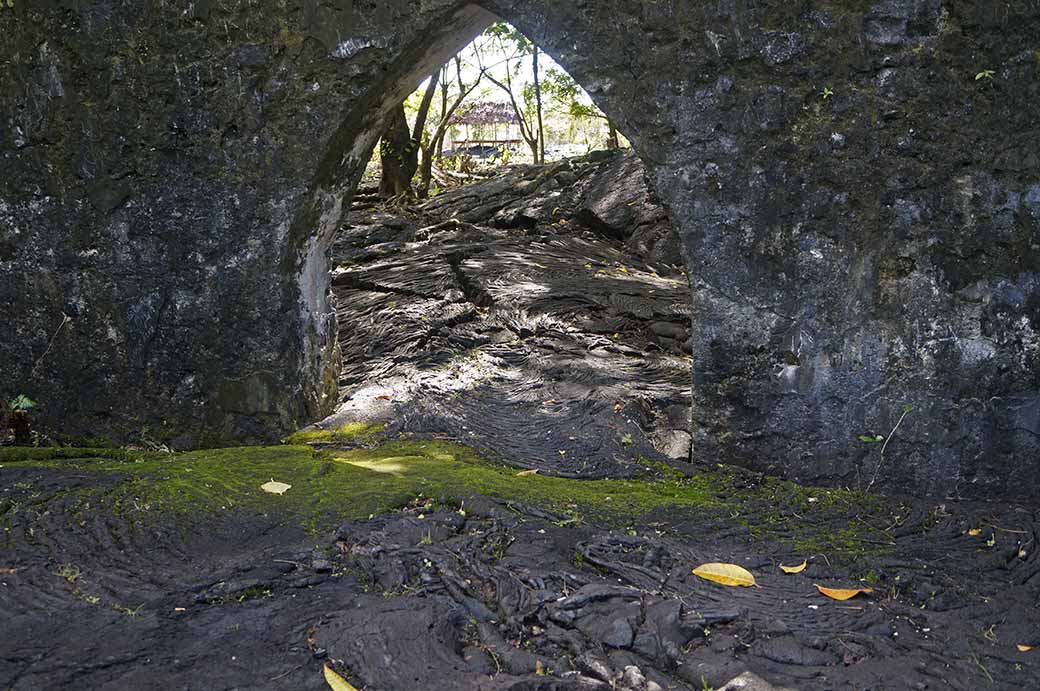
19, 423
613, 142
437, 143
444, 106
540, 136
426, 170
399, 155
424, 108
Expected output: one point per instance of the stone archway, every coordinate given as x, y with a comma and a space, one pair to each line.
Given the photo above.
861, 211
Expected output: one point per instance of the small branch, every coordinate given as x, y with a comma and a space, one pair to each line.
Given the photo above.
65, 320
906, 411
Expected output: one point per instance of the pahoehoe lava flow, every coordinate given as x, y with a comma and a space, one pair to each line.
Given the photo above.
531, 315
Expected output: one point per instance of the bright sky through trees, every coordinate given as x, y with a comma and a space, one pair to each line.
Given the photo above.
573, 124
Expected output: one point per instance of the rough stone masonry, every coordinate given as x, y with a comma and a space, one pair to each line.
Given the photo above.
856, 185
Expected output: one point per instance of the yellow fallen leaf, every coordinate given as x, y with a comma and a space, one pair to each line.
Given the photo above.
842, 593
273, 487
336, 682
794, 569
975, 531
726, 574
527, 473
539, 668
1024, 648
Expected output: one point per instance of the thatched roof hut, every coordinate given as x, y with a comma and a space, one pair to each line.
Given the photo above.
486, 113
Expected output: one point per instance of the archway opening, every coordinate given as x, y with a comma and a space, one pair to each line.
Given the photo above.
527, 293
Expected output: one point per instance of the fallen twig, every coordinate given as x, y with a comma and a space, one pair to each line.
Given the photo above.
906, 411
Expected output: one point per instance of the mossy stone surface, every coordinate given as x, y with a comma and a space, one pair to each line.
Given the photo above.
351, 431
333, 485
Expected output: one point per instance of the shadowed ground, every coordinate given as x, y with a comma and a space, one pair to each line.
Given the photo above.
417, 565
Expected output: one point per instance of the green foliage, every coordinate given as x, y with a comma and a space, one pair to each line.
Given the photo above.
22, 403
985, 74
561, 88
511, 35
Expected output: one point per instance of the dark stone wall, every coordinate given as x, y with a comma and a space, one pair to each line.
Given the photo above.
860, 212
172, 174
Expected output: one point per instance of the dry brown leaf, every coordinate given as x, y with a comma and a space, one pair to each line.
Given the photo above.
842, 593
527, 473
795, 569
6, 571
1024, 648
336, 682
274, 487
726, 574
975, 532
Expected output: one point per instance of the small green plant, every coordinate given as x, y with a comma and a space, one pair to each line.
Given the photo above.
826, 93
21, 403
254, 593
70, 572
128, 611
985, 74
14, 417
627, 440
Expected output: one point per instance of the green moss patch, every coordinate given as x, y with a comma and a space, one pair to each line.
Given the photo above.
355, 431
332, 485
